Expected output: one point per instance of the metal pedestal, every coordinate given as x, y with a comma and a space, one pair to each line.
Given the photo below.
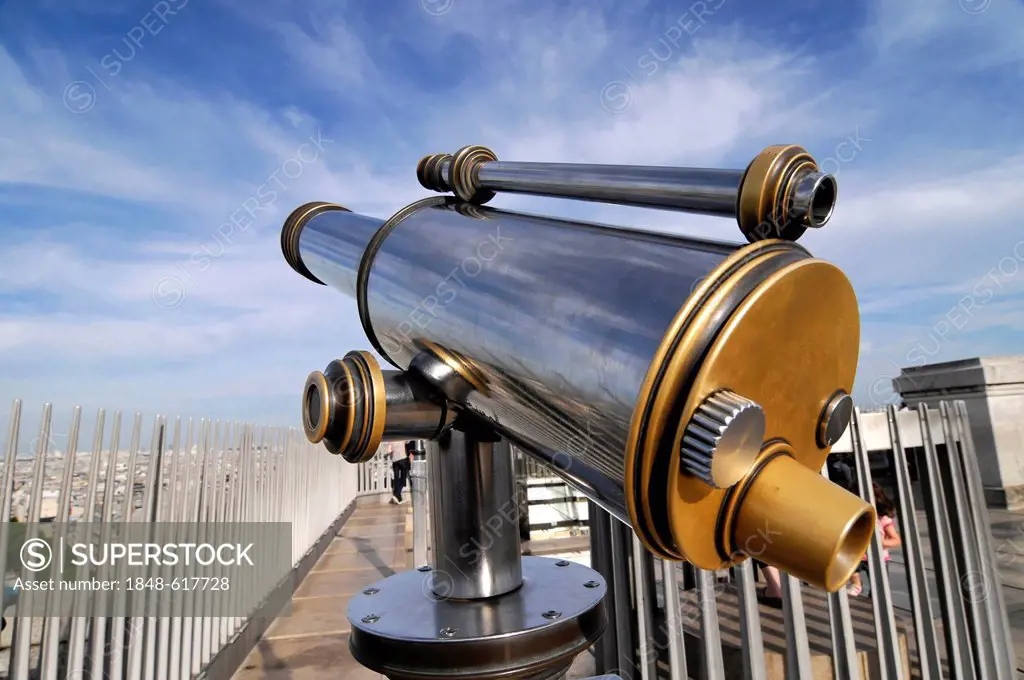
402, 629
480, 610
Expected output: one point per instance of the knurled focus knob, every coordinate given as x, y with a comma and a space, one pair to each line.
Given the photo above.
722, 439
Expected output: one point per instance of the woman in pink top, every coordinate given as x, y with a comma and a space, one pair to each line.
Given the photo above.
890, 537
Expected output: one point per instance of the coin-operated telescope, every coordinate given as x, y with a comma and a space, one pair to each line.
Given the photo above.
692, 388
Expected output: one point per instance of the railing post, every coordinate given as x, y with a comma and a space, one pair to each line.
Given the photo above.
419, 489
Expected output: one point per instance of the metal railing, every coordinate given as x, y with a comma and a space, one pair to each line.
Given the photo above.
374, 476
938, 612
193, 471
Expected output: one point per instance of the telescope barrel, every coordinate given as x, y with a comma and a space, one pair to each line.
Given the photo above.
779, 195
672, 380
333, 254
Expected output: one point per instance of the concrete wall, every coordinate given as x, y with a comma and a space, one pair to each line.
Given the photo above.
993, 390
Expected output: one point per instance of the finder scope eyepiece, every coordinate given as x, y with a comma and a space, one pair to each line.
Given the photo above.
781, 193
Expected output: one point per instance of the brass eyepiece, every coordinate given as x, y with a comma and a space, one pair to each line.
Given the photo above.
344, 407
817, 535
352, 406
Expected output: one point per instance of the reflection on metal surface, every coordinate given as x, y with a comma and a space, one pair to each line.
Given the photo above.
451, 373
405, 632
474, 514
779, 195
413, 410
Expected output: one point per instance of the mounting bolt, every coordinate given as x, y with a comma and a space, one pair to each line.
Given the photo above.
834, 419
371, 591
561, 563
449, 632
551, 614
424, 568
371, 618
591, 584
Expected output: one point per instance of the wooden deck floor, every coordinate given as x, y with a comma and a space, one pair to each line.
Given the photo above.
311, 642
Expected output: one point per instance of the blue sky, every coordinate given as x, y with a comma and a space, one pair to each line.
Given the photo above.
133, 134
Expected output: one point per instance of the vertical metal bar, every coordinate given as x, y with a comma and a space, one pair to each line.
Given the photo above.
256, 498
917, 575
136, 626
239, 492
958, 648
220, 515
21, 637
621, 536
881, 594
100, 623
845, 665
711, 637
180, 632
119, 621
52, 623
418, 490
151, 504
7, 495
79, 604
998, 621
190, 622
234, 514
170, 626
798, 649
601, 561
231, 493
675, 633
10, 457
966, 546
196, 645
645, 601
750, 625
209, 523
844, 648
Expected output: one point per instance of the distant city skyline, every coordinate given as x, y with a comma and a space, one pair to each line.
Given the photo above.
152, 152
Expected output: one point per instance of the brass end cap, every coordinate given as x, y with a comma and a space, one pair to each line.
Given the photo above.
430, 172
345, 407
292, 230
783, 193
723, 439
463, 177
772, 324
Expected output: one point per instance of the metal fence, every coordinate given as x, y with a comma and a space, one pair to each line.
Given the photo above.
951, 620
193, 471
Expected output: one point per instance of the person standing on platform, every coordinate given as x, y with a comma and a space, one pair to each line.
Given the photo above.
841, 471
401, 468
889, 537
